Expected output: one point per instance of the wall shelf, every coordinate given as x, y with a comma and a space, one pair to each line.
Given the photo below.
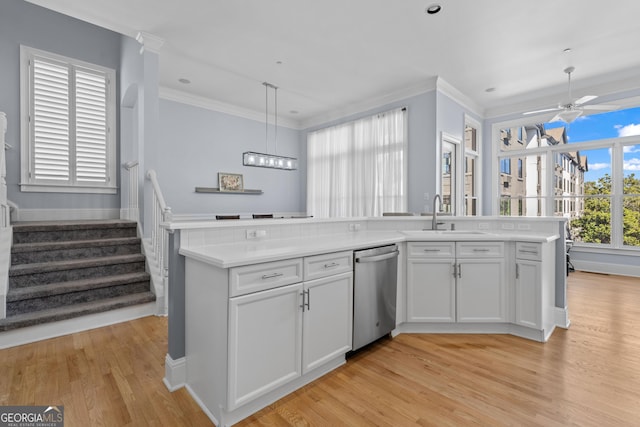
216, 190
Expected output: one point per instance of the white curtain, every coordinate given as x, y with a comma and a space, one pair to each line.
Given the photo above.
358, 168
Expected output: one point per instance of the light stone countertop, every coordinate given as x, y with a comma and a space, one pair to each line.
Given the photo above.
258, 251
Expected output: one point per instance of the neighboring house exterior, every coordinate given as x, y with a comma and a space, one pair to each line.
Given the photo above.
522, 178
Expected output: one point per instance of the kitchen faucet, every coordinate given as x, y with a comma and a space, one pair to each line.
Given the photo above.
434, 220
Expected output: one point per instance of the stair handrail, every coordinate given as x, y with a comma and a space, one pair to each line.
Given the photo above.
5, 209
160, 214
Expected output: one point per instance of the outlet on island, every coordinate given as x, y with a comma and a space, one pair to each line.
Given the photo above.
254, 234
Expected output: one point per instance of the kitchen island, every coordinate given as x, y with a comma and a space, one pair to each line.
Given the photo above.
250, 338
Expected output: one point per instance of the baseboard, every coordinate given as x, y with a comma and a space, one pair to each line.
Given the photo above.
562, 317
65, 214
20, 336
607, 268
130, 214
175, 373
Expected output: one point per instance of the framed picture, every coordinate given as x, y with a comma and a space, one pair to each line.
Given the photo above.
231, 182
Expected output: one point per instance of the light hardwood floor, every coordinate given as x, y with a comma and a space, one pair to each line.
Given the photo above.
588, 375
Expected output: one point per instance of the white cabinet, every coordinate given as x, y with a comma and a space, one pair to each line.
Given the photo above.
456, 282
527, 294
528, 285
481, 292
265, 342
431, 284
279, 334
327, 319
266, 275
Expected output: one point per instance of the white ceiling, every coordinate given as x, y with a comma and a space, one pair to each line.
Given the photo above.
339, 55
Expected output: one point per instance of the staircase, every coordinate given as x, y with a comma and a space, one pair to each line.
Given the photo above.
63, 270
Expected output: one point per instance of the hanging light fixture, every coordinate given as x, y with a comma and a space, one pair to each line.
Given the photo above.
265, 160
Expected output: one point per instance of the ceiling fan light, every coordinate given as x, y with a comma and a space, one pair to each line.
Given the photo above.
568, 116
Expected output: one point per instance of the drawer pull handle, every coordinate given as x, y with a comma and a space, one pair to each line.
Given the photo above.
432, 250
524, 251
333, 264
481, 250
271, 276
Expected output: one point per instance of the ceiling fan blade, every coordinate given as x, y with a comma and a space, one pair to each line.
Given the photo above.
546, 110
584, 99
600, 107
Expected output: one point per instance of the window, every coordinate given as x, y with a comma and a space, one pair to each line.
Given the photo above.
520, 168
505, 166
358, 168
592, 171
471, 167
449, 176
527, 189
68, 116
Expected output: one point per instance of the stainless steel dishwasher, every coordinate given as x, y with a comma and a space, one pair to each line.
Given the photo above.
374, 294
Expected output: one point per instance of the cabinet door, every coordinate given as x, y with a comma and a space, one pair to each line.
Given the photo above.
327, 319
431, 290
481, 291
528, 304
265, 342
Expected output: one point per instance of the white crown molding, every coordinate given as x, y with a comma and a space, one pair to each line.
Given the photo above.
360, 107
221, 107
149, 42
447, 89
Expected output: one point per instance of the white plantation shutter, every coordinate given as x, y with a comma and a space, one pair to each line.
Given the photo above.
50, 120
69, 108
91, 127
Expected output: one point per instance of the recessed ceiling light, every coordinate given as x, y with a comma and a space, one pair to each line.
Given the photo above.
184, 81
490, 89
433, 9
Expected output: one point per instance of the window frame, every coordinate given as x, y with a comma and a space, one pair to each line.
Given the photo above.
475, 155
28, 181
549, 198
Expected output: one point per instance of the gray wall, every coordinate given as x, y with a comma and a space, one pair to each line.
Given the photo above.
40, 28
194, 144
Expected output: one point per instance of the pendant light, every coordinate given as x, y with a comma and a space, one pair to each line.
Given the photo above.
265, 160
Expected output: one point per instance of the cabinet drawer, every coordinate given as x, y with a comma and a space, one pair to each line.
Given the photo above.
530, 251
431, 249
258, 277
325, 265
480, 249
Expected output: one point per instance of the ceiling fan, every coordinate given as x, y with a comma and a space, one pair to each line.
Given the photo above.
572, 110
